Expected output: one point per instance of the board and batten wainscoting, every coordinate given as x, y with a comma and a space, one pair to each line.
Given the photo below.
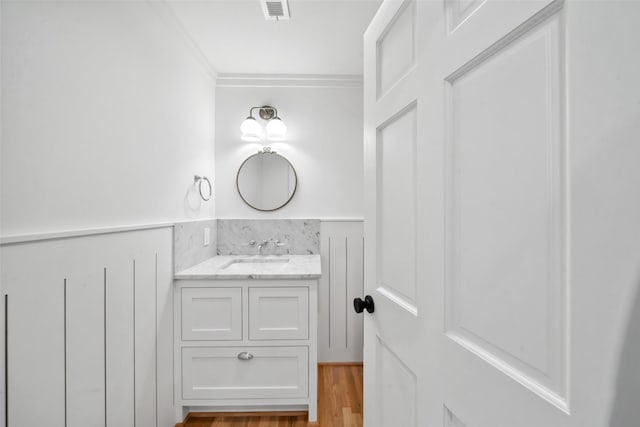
339, 327
89, 323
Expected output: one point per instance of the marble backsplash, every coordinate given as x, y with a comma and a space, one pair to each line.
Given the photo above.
299, 236
188, 243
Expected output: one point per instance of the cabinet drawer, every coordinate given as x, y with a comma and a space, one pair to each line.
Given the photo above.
219, 373
211, 314
278, 313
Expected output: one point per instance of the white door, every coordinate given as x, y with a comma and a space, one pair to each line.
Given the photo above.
502, 153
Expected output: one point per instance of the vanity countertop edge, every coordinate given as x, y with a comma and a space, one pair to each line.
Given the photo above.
264, 267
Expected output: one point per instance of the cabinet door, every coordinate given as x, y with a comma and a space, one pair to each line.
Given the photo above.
211, 314
244, 372
279, 313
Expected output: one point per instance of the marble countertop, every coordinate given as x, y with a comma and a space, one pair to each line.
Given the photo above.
255, 267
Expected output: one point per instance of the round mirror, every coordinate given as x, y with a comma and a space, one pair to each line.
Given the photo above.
266, 181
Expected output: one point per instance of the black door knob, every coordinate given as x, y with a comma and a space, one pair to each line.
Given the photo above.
360, 305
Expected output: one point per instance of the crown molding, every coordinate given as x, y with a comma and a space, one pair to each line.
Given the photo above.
290, 80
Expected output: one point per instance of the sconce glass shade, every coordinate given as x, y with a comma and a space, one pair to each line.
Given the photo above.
276, 129
251, 130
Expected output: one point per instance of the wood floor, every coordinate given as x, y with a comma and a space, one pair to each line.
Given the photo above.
340, 404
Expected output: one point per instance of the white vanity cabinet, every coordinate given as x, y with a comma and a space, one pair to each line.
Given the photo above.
245, 345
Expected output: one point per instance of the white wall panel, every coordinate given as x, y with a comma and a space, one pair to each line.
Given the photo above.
100, 375
164, 336
119, 336
145, 334
85, 350
339, 327
36, 347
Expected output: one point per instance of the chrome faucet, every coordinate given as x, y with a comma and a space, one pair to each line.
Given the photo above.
262, 245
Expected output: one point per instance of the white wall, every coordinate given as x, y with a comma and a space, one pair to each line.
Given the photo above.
324, 144
106, 116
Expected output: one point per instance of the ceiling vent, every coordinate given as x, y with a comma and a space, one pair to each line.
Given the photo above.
275, 10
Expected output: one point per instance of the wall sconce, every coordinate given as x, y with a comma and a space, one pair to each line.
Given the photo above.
253, 132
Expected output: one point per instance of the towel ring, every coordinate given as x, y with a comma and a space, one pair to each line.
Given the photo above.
197, 179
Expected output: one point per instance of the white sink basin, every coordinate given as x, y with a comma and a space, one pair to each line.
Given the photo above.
248, 263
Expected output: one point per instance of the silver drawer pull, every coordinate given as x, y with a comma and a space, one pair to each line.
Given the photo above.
245, 355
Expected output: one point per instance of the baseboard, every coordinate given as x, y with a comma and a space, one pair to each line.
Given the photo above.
197, 415
339, 363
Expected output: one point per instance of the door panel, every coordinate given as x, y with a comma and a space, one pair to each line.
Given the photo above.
505, 191
396, 48
450, 419
396, 227
397, 389
459, 11
505, 237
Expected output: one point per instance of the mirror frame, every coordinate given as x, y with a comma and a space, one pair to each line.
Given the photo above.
266, 150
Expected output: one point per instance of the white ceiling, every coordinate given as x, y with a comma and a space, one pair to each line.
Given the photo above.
322, 37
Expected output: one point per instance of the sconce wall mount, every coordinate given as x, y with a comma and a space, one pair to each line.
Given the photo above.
252, 130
